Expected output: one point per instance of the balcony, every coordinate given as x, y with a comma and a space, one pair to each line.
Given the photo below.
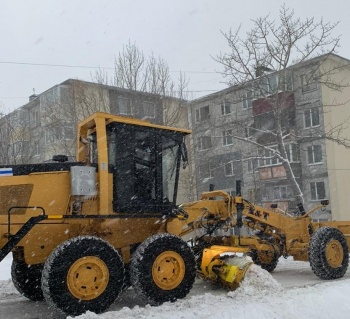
277, 172
281, 100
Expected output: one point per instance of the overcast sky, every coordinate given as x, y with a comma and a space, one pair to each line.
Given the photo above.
90, 33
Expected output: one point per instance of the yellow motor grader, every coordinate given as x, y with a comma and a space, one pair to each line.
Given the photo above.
82, 232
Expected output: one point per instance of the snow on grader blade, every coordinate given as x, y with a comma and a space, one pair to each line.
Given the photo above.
222, 266
82, 232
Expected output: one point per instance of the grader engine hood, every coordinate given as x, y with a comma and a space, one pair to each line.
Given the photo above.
50, 190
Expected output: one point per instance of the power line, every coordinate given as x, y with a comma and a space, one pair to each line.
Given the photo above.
13, 97
56, 65
85, 66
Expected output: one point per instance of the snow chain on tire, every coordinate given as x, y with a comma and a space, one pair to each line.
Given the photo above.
27, 279
328, 253
163, 268
83, 274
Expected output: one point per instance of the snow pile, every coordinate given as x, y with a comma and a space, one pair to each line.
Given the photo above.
256, 280
260, 296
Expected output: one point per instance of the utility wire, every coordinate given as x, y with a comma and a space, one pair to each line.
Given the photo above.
84, 66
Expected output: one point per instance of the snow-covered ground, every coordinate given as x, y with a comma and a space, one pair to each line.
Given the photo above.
292, 292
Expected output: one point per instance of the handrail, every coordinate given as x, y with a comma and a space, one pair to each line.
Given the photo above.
20, 207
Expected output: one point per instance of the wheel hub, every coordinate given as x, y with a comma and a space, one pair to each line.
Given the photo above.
265, 257
87, 278
334, 253
168, 270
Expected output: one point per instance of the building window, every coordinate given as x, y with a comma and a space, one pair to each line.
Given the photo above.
205, 171
36, 148
312, 117
308, 82
149, 110
262, 88
286, 83
229, 169
317, 190
265, 193
53, 134
248, 132
124, 106
247, 100
273, 83
202, 114
252, 163
204, 142
34, 118
227, 138
277, 83
314, 154
282, 192
292, 152
268, 157
17, 148
68, 132
225, 107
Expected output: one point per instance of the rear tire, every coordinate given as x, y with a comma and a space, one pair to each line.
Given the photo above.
83, 274
328, 253
163, 268
27, 279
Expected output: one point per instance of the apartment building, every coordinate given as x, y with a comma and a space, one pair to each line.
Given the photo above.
236, 137
46, 125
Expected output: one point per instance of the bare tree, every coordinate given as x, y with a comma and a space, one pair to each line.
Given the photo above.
266, 64
63, 107
135, 71
15, 138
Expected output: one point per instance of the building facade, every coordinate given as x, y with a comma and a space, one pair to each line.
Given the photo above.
238, 133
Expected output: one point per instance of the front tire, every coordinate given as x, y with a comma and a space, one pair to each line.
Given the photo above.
83, 274
328, 253
163, 268
267, 260
27, 279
